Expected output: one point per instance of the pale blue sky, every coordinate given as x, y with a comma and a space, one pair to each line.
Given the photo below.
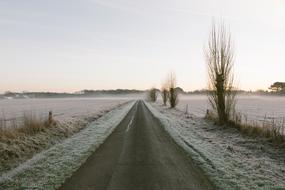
69, 45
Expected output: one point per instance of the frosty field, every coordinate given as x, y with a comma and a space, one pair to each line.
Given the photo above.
255, 108
65, 110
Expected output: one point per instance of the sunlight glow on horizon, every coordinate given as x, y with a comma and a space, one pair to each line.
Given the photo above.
69, 45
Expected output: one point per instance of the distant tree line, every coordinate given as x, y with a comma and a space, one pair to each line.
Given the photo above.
83, 93
275, 89
111, 92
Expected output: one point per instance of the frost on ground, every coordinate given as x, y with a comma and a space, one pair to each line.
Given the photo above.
231, 160
68, 111
71, 115
252, 108
49, 169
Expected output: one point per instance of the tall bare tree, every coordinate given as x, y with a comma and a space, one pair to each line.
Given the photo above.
173, 95
219, 57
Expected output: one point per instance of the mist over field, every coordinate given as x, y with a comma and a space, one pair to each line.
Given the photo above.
254, 106
65, 110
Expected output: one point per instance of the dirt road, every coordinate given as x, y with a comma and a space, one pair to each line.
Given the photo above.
138, 155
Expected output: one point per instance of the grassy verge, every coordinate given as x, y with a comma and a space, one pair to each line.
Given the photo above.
21, 139
29, 125
271, 129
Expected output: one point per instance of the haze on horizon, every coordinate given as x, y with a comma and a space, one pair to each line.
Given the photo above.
70, 45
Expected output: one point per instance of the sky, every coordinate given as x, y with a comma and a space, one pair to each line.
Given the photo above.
70, 45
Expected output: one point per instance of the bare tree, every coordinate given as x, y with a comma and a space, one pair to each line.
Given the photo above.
173, 95
164, 93
152, 95
219, 58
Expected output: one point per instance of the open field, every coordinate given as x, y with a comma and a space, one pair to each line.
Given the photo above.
69, 110
255, 108
65, 110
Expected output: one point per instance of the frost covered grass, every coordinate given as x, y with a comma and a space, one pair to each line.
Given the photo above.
29, 125
230, 159
22, 139
29, 134
272, 129
255, 115
49, 169
21, 143
252, 108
